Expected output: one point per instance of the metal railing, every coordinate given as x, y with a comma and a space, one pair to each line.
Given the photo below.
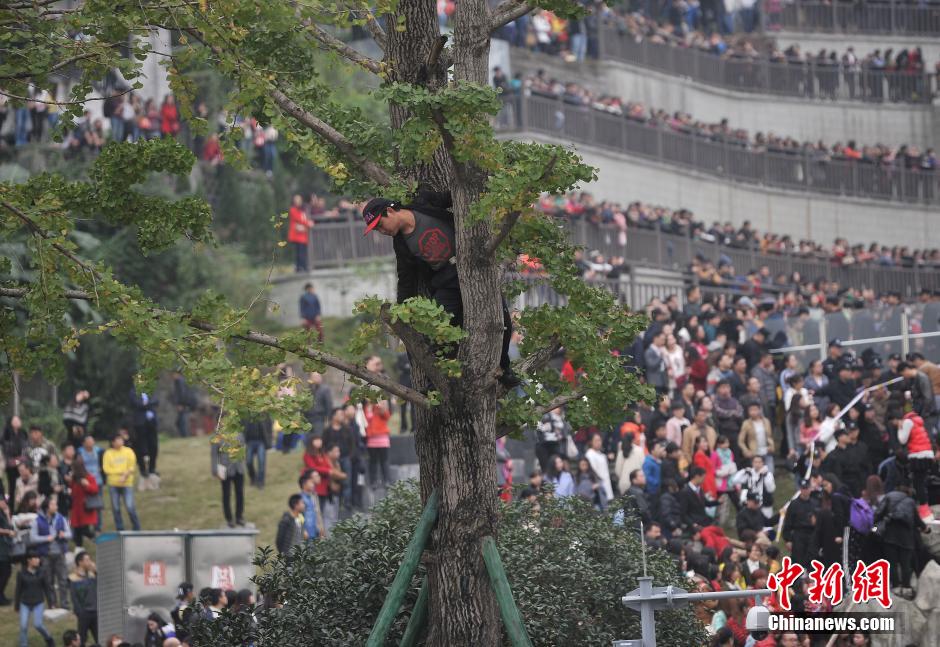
920, 18
801, 79
729, 160
342, 243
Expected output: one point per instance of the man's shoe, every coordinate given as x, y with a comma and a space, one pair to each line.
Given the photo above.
230, 524
240, 523
509, 379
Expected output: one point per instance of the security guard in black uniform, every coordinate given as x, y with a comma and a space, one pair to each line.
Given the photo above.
798, 526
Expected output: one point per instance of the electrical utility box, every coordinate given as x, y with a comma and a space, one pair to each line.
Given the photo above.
139, 573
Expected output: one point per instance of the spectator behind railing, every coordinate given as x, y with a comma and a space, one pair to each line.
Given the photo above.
879, 155
826, 74
580, 205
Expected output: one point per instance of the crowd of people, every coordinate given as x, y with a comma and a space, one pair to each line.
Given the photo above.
127, 116
692, 25
581, 205
881, 157
855, 435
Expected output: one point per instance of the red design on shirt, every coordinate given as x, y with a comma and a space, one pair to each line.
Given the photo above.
434, 246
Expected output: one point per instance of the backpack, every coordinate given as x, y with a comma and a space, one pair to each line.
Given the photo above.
861, 517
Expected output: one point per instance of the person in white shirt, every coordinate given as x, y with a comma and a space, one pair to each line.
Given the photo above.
759, 480
829, 426
675, 362
598, 460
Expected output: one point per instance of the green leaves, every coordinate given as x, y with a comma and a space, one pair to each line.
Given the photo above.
568, 567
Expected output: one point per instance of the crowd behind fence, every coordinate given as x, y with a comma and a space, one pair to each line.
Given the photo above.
798, 170
809, 79
887, 17
340, 243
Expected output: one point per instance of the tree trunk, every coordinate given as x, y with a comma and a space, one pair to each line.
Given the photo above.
454, 441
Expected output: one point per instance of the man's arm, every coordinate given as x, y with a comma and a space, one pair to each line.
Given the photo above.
408, 271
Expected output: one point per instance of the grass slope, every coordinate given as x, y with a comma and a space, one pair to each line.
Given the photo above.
190, 498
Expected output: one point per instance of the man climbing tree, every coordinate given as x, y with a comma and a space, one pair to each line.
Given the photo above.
437, 134
424, 241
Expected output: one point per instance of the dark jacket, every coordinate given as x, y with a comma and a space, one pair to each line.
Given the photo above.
900, 510
922, 399
847, 464
670, 512
692, 507
6, 543
84, 593
289, 534
670, 470
825, 533
755, 520
183, 395
800, 518
344, 438
838, 391
310, 306
641, 503
259, 430
14, 445
320, 411
31, 589
141, 409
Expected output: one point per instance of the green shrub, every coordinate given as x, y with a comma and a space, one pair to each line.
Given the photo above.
568, 567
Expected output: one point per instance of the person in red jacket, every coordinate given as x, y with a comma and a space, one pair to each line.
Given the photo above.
83, 519
169, 117
298, 233
316, 459
913, 436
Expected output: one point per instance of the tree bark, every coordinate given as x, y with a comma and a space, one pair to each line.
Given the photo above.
455, 441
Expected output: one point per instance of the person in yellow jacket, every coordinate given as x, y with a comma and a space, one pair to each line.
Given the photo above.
120, 467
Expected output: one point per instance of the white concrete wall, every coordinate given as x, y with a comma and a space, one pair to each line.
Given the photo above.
338, 289
830, 121
818, 217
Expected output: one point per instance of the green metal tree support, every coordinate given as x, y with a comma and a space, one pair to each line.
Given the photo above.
512, 619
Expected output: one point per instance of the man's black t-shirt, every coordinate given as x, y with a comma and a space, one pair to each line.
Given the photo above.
433, 242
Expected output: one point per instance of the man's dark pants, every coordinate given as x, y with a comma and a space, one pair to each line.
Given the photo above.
450, 299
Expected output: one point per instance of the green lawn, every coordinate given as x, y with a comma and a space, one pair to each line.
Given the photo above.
190, 498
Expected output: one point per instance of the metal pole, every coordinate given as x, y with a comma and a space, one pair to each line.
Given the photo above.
905, 334
823, 341
845, 558
647, 616
16, 393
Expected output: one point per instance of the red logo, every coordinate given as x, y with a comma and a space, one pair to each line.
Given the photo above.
434, 246
872, 582
154, 573
781, 581
826, 583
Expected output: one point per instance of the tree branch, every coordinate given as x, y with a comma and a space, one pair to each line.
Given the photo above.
558, 402
371, 170
331, 42
376, 379
37, 230
511, 218
378, 34
507, 11
419, 347
54, 68
539, 358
